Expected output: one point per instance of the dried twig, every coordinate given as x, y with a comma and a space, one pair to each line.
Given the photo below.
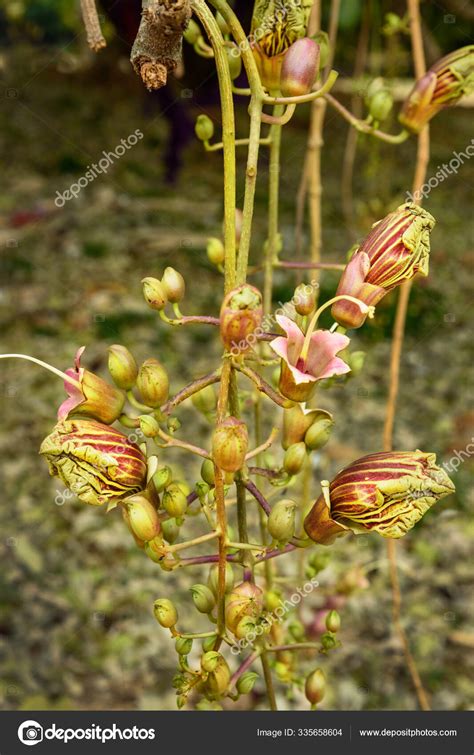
95, 38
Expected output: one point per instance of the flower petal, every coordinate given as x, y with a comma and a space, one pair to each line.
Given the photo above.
321, 361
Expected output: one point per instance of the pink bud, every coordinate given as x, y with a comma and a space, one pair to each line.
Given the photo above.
299, 68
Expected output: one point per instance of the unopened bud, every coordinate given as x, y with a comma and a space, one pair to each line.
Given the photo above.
204, 128
300, 67
235, 62
215, 251
315, 686
142, 517
154, 550
165, 613
294, 458
122, 367
328, 641
318, 434
183, 645
208, 643
205, 400
245, 599
304, 299
295, 425
380, 104
153, 383
244, 627
175, 502
230, 444
297, 631
281, 522
210, 660
272, 600
170, 530
241, 314
174, 285
154, 293
149, 426
356, 362
333, 621
162, 478
246, 682
207, 472
213, 579
219, 678
203, 598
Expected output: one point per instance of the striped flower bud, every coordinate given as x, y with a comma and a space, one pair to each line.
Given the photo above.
154, 293
443, 85
281, 521
229, 444
153, 383
386, 493
241, 314
246, 682
245, 599
98, 463
122, 367
174, 285
89, 395
203, 598
245, 626
162, 478
396, 249
183, 645
210, 660
165, 613
142, 517
299, 68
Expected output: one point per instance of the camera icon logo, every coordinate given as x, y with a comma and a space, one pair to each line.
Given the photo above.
30, 733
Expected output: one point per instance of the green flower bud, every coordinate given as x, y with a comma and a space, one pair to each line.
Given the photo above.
294, 458
183, 645
246, 682
203, 598
281, 522
315, 686
244, 627
322, 39
122, 367
328, 641
153, 383
304, 299
205, 400
283, 672
208, 643
170, 530
235, 62
272, 600
213, 579
218, 680
296, 629
165, 613
174, 501
142, 517
380, 104
162, 478
207, 472
230, 444
204, 128
154, 550
215, 251
319, 561
356, 362
318, 434
149, 426
154, 293
181, 701
192, 32
333, 621
210, 660
295, 424
174, 285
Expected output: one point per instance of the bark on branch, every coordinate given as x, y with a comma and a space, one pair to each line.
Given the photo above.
158, 46
95, 38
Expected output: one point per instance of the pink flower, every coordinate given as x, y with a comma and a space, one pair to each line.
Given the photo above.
89, 395
299, 374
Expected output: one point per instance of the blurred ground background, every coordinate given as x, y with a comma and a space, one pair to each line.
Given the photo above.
76, 628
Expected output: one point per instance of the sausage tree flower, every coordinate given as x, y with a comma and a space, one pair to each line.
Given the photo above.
97, 462
386, 493
443, 85
396, 249
89, 395
301, 368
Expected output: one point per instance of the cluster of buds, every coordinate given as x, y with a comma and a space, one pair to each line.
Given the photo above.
443, 85
386, 493
170, 289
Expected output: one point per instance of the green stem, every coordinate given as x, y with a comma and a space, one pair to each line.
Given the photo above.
273, 202
267, 674
364, 127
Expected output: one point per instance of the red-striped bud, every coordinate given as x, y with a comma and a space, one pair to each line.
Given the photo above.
241, 314
229, 444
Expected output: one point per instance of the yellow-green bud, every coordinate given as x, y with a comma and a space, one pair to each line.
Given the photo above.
183, 645
203, 598
356, 362
218, 680
215, 251
153, 383
294, 458
245, 599
205, 400
235, 62
170, 530
272, 600
315, 686
246, 682
204, 128
213, 579
122, 367
165, 613
380, 104
192, 32
283, 672
295, 424
230, 444
244, 627
174, 501
333, 621
210, 660
328, 641
281, 522
174, 285
304, 299
154, 550
142, 517
162, 478
318, 434
208, 643
154, 293
149, 426
207, 472
296, 630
